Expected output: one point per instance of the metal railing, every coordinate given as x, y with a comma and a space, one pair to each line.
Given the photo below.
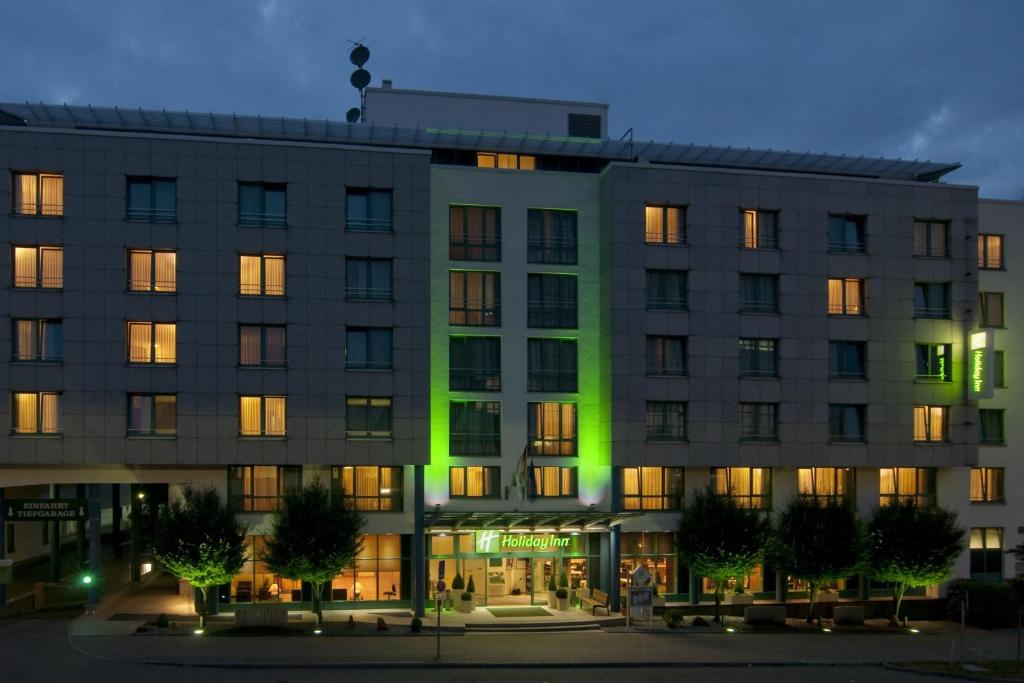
474, 379
474, 443
474, 250
368, 224
148, 215
557, 314
758, 306
556, 250
666, 303
932, 312
262, 220
856, 247
368, 293
476, 317
551, 380
53, 210
368, 365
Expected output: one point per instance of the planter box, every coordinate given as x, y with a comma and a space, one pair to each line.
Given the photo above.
261, 615
464, 606
764, 614
740, 599
828, 597
552, 600
563, 603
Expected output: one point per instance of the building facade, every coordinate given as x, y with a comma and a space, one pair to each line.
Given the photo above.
517, 353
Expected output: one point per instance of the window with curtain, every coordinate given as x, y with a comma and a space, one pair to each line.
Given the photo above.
474, 482
522, 162
759, 421
553, 482
551, 365
367, 210
551, 428
933, 362
368, 488
474, 363
152, 200
930, 238
914, 485
551, 300
666, 355
991, 309
152, 271
760, 229
750, 487
368, 348
474, 233
758, 358
987, 485
990, 252
651, 488
759, 293
826, 483
474, 428
474, 298
262, 345
39, 194
152, 414
986, 552
931, 423
991, 427
368, 279
846, 234
368, 417
262, 416
262, 205
36, 413
931, 300
38, 340
846, 359
259, 488
845, 296
261, 275
152, 342
998, 361
39, 267
666, 290
666, 421
846, 423
551, 236
665, 225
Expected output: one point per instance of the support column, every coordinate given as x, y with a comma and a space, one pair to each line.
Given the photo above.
780, 586
136, 558
3, 547
80, 529
55, 573
614, 563
694, 587
115, 531
419, 546
95, 541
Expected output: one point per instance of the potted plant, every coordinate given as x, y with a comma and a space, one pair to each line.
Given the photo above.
656, 600
740, 596
552, 598
465, 603
471, 589
562, 597
563, 582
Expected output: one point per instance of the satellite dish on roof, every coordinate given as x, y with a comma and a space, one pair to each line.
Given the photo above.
360, 55
352, 115
360, 78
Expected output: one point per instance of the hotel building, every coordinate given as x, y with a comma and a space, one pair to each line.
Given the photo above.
515, 344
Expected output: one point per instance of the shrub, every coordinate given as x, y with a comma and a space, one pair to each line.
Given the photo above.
470, 586
551, 583
673, 618
162, 621
562, 593
989, 604
466, 596
417, 625
563, 580
700, 621
458, 583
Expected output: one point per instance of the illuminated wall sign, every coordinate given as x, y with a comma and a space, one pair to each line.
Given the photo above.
498, 542
980, 369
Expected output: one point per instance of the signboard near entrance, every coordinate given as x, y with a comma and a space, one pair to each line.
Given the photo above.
490, 541
58, 510
980, 366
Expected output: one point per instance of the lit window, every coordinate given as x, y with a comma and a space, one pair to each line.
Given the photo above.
260, 488
825, 483
846, 359
261, 345
759, 293
551, 428
474, 428
152, 342
930, 238
987, 485
261, 275
39, 267
750, 487
759, 421
991, 309
474, 298
474, 482
368, 348
991, 427
152, 200
986, 553
665, 225
845, 296
474, 233
39, 194
913, 485
846, 423
261, 205
990, 252
551, 236
934, 362
38, 340
152, 414
553, 482
367, 210
523, 162
760, 229
368, 488
36, 413
666, 421
931, 423
368, 417
368, 279
652, 488
261, 416
152, 271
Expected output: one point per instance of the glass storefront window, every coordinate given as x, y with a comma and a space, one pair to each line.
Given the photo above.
377, 574
654, 550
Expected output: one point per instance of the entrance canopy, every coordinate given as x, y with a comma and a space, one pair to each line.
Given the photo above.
581, 520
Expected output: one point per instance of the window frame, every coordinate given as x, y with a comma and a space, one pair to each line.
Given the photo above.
841, 409
369, 364
663, 284
925, 494
262, 218
539, 442
927, 249
929, 431
153, 359
755, 371
929, 312
658, 347
671, 486
371, 223
541, 312
536, 479
262, 288
545, 379
391, 499
465, 250
753, 235
664, 236
263, 362
153, 431
836, 474
998, 439
474, 378
753, 411
150, 214
985, 261
38, 408
246, 503
485, 443
752, 501
984, 306
39, 326
845, 308
548, 248
490, 284
490, 480
661, 412
946, 376
835, 362
262, 433
153, 286
986, 556
365, 292
366, 403
845, 246
984, 484
759, 306
39, 280
39, 209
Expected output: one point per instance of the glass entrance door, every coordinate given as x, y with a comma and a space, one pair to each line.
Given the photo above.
543, 569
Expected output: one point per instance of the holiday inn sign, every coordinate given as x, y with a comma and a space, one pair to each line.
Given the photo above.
490, 541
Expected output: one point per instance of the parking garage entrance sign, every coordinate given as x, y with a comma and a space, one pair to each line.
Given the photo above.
58, 510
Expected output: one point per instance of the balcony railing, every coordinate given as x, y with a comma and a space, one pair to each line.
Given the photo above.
368, 365
557, 314
666, 303
552, 250
552, 445
262, 220
666, 502
368, 293
474, 250
846, 247
474, 379
475, 317
148, 215
474, 443
758, 306
931, 312
551, 380
368, 224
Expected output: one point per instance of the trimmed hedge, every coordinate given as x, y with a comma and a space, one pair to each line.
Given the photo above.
990, 604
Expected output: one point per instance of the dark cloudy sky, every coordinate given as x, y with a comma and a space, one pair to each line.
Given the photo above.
928, 79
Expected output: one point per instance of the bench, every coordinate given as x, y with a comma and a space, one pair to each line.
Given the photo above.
598, 598
764, 614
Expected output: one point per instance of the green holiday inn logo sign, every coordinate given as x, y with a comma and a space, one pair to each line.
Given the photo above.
490, 541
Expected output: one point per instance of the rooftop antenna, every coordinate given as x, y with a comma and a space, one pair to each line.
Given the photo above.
359, 79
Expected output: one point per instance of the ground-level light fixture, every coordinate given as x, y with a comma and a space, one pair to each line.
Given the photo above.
86, 579
317, 631
826, 630
198, 632
914, 630
730, 629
